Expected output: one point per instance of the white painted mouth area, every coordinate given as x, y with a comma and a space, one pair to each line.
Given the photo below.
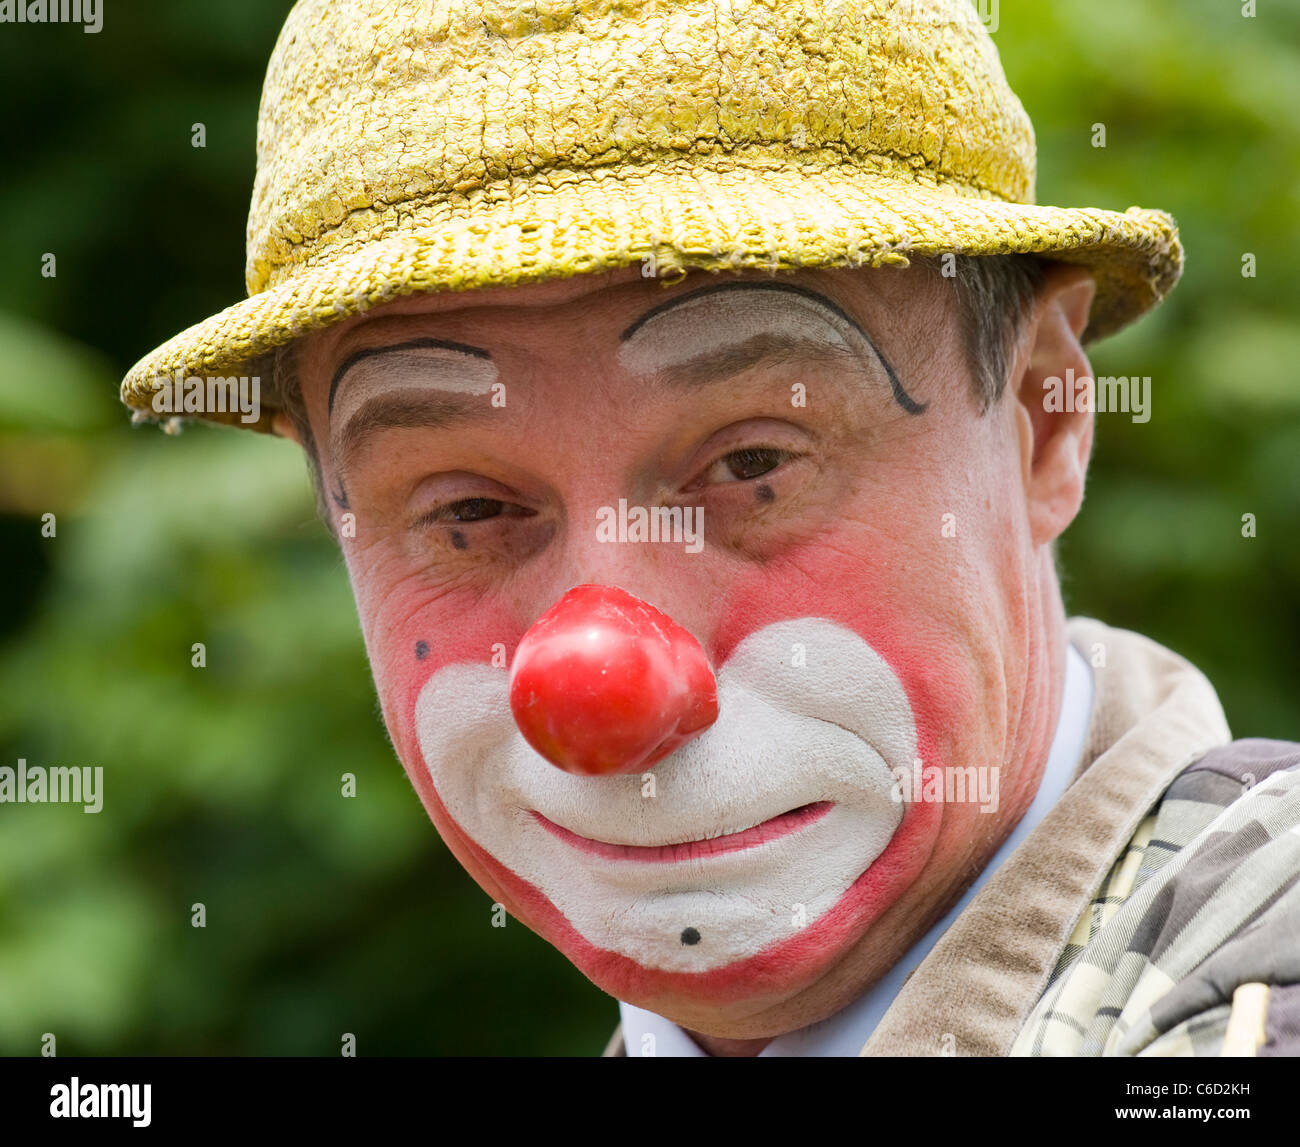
808, 712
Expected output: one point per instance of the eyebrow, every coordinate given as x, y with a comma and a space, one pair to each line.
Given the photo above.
715, 365
390, 348
433, 410
726, 362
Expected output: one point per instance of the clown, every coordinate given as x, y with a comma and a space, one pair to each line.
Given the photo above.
699, 505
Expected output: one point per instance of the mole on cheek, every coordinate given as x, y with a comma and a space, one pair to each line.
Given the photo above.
458, 540
421, 650
764, 493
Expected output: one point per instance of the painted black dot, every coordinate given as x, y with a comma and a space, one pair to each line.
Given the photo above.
764, 493
421, 650
690, 936
458, 540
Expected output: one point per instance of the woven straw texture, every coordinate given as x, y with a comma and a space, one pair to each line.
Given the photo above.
426, 145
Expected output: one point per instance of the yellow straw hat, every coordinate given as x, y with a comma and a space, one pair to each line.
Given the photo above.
428, 145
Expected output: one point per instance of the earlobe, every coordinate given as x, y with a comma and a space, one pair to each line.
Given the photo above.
1054, 390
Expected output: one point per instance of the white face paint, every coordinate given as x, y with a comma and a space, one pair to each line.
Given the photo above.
410, 368
828, 725
701, 324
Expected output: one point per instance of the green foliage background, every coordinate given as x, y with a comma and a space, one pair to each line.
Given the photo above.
326, 915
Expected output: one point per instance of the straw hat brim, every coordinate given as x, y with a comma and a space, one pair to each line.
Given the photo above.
560, 224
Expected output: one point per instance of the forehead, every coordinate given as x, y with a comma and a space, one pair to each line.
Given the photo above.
605, 304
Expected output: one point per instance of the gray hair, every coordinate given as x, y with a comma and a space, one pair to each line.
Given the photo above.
995, 294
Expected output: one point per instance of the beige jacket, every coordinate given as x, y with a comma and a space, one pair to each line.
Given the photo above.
1153, 715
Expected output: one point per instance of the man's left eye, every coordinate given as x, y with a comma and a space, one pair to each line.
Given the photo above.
742, 465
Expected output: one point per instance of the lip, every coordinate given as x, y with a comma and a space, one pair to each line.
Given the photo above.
768, 831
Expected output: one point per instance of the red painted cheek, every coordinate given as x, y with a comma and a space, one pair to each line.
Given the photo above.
455, 629
864, 593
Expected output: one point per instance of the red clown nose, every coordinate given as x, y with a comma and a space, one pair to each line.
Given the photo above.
604, 683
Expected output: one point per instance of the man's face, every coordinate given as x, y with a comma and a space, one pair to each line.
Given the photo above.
866, 583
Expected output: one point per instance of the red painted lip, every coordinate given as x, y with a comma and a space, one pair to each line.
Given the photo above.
769, 830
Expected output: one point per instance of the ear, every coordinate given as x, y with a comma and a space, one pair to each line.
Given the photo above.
282, 427
1055, 437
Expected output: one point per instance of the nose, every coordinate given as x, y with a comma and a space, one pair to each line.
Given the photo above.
604, 683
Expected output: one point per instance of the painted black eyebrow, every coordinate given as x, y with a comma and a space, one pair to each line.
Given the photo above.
905, 400
414, 344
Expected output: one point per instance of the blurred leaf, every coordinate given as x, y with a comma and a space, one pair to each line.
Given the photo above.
48, 382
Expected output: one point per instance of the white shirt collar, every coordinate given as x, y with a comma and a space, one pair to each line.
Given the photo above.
845, 1033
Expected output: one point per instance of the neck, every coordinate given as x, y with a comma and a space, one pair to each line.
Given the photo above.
716, 1045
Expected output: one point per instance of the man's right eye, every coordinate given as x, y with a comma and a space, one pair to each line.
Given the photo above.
474, 509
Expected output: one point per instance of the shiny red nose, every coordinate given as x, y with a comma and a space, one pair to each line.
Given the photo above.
604, 683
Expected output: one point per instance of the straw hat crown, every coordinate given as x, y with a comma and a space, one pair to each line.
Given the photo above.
365, 115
